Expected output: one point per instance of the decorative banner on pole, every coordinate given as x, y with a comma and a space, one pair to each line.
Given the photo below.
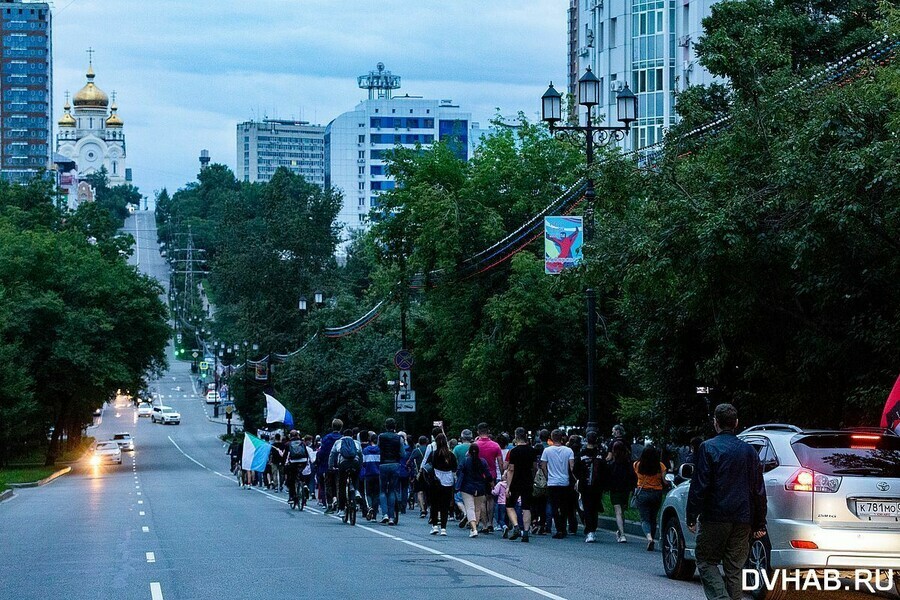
261, 372
563, 243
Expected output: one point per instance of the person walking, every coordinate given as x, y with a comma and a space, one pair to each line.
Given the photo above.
440, 496
648, 495
622, 480
414, 465
391, 451
326, 475
557, 463
472, 481
370, 475
461, 450
520, 478
727, 498
403, 473
591, 472
492, 454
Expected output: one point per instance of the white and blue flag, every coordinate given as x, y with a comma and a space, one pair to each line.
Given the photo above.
277, 413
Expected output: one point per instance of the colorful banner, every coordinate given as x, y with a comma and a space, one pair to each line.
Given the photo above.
563, 243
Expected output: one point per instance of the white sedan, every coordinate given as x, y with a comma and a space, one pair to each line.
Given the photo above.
106, 453
145, 409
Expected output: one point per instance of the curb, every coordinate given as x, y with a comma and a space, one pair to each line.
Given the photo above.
631, 527
7, 495
43, 481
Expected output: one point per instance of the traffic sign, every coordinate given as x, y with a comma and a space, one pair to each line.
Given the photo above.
405, 380
403, 360
204, 366
406, 401
195, 354
437, 424
229, 409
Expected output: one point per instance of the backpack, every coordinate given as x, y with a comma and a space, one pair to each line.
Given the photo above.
297, 452
348, 449
540, 484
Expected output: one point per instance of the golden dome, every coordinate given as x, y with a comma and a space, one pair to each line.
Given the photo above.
67, 120
114, 120
90, 96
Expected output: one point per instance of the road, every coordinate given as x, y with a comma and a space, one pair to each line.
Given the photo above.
171, 523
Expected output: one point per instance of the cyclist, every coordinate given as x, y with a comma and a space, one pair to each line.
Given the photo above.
298, 460
346, 460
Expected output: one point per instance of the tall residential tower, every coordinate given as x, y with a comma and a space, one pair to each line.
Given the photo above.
27, 81
263, 146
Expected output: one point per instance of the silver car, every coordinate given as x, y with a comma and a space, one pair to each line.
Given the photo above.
833, 501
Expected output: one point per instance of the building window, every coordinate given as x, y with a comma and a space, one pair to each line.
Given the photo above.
612, 33
362, 185
114, 165
362, 154
362, 139
362, 170
362, 201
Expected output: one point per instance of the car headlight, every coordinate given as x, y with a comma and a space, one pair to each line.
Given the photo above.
95, 460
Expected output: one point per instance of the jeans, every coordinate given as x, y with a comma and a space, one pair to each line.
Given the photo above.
388, 495
291, 471
728, 543
648, 503
372, 492
561, 503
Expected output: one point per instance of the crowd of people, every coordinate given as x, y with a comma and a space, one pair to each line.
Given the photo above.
548, 483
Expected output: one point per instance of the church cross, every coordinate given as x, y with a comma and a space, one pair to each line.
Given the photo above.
113, 96
67, 96
90, 53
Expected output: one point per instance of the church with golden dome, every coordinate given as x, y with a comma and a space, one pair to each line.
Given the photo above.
91, 132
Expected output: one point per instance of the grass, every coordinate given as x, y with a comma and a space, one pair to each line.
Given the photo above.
24, 475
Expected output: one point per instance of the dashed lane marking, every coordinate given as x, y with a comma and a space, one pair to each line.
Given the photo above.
155, 591
468, 563
145, 529
140, 501
141, 513
151, 557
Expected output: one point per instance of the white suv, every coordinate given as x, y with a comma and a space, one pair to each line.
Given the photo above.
833, 501
165, 415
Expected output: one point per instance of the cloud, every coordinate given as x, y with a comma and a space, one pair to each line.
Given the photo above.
187, 71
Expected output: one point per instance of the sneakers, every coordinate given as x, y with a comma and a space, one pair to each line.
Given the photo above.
589, 538
305, 493
651, 545
463, 522
391, 522
341, 514
435, 530
443, 532
384, 520
473, 534
490, 529
515, 533
620, 538
329, 510
505, 532
525, 537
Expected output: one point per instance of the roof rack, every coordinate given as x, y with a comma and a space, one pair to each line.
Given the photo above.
774, 427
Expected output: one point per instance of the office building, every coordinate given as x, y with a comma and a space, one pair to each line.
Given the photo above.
27, 81
263, 146
648, 44
357, 141
93, 134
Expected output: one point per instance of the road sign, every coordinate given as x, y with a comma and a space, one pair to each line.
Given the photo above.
204, 366
437, 424
178, 337
229, 409
406, 401
405, 380
403, 360
195, 354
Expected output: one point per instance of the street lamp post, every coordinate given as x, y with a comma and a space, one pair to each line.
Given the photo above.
594, 135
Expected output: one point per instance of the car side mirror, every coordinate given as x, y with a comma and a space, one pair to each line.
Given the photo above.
686, 471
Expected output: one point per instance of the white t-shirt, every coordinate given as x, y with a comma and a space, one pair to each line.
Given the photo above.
557, 459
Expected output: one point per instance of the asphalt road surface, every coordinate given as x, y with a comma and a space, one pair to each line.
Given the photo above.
171, 523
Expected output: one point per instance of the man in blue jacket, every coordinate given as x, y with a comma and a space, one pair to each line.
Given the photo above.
728, 497
324, 474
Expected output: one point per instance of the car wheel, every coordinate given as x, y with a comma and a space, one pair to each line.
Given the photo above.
759, 560
675, 564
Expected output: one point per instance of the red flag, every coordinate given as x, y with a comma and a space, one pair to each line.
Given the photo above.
890, 418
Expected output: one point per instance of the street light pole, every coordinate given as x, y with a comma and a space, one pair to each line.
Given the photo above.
551, 112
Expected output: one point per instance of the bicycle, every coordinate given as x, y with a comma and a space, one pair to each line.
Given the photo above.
351, 508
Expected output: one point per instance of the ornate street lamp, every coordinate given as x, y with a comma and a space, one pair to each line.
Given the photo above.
594, 135
302, 306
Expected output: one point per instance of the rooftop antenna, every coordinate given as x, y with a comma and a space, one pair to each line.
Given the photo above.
380, 83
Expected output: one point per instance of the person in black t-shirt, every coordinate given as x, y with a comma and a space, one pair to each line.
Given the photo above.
590, 469
520, 481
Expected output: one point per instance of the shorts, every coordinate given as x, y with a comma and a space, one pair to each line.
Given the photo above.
620, 498
515, 494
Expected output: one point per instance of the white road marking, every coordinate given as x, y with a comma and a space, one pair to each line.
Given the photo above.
151, 557
155, 591
145, 529
199, 464
138, 493
141, 513
468, 563
140, 501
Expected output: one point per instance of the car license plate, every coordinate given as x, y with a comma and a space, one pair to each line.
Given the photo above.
878, 509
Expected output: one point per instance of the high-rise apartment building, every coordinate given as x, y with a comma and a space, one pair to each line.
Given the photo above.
648, 44
263, 146
26, 82
356, 142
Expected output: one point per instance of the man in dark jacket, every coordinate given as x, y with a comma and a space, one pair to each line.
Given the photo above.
327, 477
729, 498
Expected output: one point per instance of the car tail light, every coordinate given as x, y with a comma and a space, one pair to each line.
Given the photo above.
804, 545
864, 441
806, 480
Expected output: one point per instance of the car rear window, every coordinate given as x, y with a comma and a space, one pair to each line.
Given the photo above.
121, 436
850, 454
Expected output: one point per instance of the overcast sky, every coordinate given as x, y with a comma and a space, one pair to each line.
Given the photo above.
187, 71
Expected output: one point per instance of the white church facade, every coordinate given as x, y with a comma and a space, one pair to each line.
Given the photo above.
92, 133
